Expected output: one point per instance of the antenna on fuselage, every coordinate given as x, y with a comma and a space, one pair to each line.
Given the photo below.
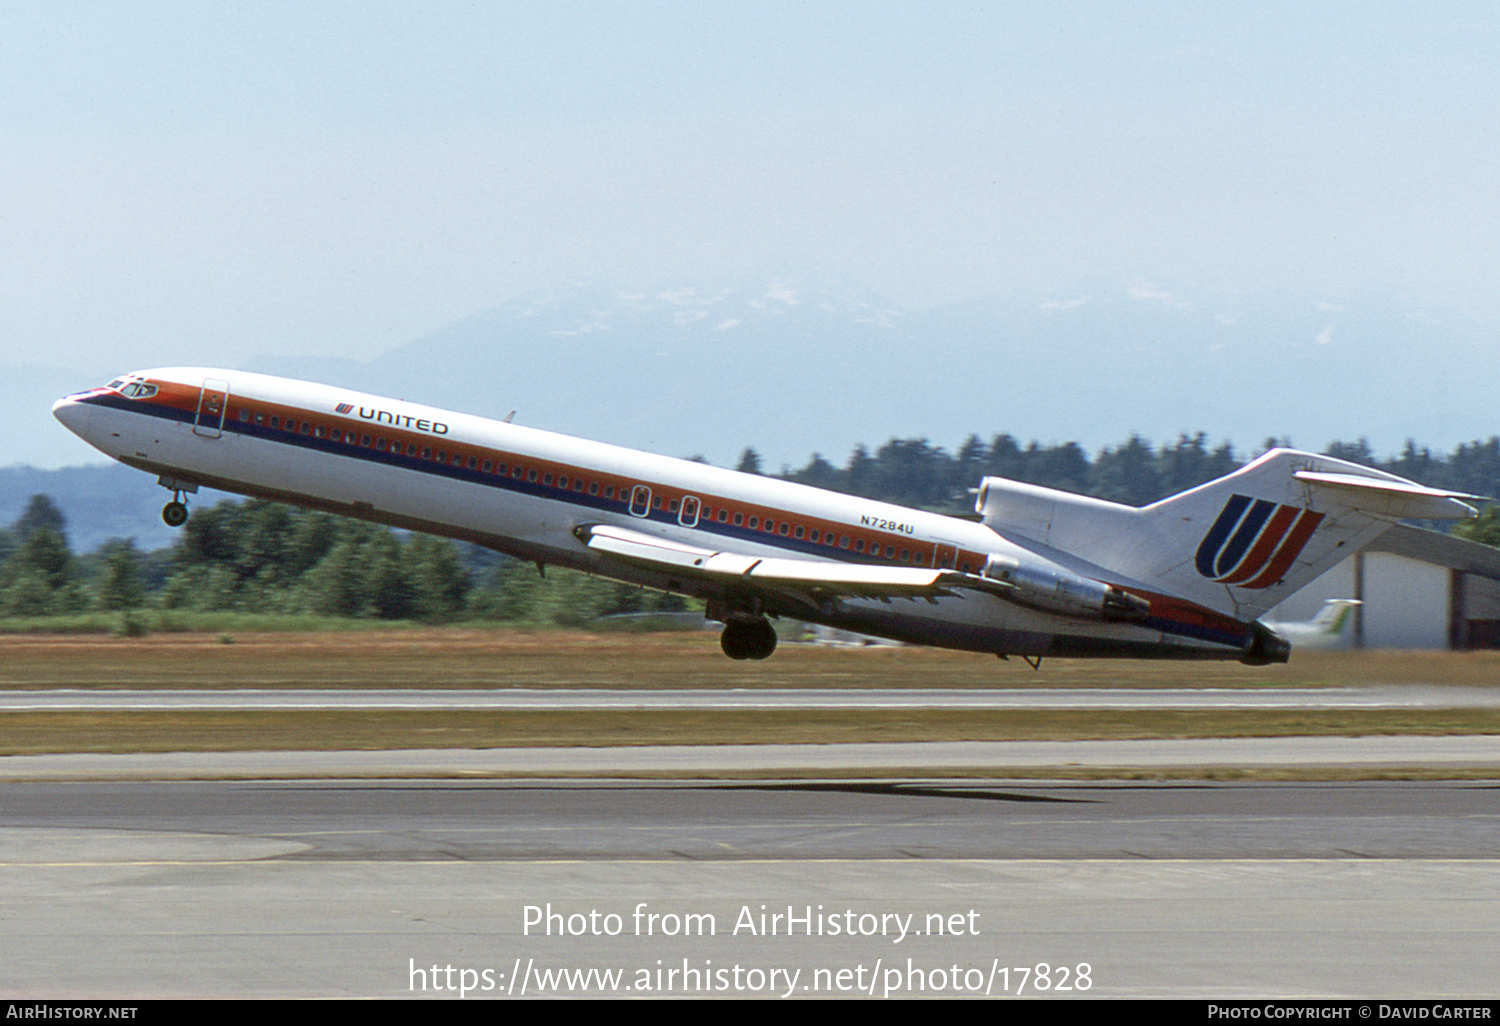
508, 417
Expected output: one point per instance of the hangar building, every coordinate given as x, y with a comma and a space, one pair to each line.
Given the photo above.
1417, 588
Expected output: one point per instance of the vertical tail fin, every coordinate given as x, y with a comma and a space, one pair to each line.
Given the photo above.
1243, 543
1238, 545
1334, 616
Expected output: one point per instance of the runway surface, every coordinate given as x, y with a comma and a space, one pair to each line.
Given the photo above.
1376, 753
811, 820
1373, 697
201, 874
926, 888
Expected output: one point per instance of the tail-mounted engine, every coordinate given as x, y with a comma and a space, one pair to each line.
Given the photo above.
1048, 586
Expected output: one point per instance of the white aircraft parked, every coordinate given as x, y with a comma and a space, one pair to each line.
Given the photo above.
1041, 573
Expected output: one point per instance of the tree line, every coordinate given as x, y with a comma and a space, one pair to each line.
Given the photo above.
264, 557
914, 472
259, 556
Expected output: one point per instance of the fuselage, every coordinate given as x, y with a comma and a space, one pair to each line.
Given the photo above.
528, 493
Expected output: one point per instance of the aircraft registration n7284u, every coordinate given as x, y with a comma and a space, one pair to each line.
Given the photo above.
1039, 573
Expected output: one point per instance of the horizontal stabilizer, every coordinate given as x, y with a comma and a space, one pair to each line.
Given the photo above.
1404, 499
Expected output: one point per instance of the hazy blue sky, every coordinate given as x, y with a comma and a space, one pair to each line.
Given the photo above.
201, 182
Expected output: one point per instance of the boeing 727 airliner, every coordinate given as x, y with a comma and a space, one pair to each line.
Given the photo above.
1041, 572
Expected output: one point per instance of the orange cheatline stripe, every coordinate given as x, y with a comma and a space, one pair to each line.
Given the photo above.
185, 397
1264, 546
1307, 523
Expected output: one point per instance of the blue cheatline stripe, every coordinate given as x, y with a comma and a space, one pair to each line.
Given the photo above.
1228, 517
1199, 632
536, 489
506, 483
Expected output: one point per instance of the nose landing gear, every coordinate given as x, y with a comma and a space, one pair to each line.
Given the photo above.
175, 513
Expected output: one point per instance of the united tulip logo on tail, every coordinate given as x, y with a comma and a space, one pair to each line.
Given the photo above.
1254, 541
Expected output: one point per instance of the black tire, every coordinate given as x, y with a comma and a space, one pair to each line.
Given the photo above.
748, 639
733, 642
174, 514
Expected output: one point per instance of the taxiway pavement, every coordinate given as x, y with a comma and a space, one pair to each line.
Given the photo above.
133, 890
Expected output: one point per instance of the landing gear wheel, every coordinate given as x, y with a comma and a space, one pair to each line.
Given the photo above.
174, 513
750, 638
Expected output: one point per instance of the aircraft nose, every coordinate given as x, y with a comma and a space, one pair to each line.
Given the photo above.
73, 414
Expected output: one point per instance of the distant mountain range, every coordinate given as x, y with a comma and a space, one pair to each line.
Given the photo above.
793, 365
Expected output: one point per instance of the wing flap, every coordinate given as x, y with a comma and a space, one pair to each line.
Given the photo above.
820, 578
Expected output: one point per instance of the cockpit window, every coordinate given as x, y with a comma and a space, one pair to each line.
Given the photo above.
138, 390
115, 383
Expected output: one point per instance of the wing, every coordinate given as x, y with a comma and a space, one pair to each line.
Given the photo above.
812, 581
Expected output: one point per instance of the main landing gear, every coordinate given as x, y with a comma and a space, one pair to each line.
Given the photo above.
748, 637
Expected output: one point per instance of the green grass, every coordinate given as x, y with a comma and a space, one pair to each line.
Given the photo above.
172, 621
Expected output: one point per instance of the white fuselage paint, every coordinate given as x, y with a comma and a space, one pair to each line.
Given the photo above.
526, 521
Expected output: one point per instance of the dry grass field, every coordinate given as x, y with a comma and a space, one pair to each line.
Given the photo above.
554, 659
465, 658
